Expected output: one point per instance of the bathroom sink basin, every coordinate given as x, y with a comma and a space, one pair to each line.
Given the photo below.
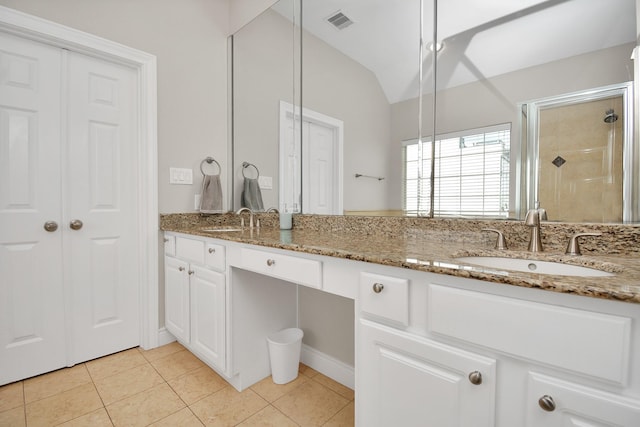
534, 266
221, 229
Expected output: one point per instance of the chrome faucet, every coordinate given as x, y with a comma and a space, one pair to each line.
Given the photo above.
532, 220
239, 212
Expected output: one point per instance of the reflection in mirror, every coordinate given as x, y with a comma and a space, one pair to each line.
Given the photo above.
582, 163
496, 58
492, 59
266, 72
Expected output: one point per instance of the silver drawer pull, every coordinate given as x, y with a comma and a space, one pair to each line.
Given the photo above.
271, 262
546, 402
211, 250
378, 287
180, 268
475, 378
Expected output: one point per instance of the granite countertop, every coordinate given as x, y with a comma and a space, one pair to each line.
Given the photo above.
435, 251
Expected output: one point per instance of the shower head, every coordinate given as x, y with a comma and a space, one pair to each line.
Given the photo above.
610, 116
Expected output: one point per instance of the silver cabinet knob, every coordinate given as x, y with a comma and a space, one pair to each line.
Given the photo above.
546, 402
211, 250
191, 272
75, 224
180, 268
270, 262
51, 226
475, 378
378, 287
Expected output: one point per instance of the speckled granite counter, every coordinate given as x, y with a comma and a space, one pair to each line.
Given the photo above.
432, 245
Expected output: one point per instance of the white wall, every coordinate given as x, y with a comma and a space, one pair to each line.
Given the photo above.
189, 38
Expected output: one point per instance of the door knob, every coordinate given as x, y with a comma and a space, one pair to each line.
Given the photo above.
75, 224
51, 226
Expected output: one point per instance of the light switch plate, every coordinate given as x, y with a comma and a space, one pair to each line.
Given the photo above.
180, 176
265, 182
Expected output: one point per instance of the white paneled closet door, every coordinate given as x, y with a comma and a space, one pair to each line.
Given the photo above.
100, 209
68, 156
32, 315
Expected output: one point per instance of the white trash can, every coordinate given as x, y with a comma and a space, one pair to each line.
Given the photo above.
284, 354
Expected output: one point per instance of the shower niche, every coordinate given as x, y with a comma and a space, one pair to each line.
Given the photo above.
578, 150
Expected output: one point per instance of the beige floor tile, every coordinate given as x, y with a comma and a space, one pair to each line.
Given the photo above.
342, 390
98, 418
13, 417
177, 364
228, 407
182, 418
11, 396
127, 383
145, 408
311, 404
271, 392
344, 418
307, 371
269, 416
197, 384
115, 363
55, 382
165, 350
63, 406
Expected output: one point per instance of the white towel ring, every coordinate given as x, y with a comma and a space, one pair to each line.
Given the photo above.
246, 165
209, 160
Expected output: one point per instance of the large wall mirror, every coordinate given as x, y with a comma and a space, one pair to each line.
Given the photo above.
364, 80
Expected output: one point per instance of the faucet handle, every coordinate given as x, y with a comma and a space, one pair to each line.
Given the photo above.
573, 248
501, 242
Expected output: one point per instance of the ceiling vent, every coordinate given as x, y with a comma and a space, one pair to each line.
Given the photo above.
339, 20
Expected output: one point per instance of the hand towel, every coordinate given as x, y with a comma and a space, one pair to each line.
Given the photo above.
251, 195
211, 196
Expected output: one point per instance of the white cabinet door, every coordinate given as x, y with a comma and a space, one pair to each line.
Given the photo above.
208, 316
406, 380
32, 322
556, 403
101, 179
176, 296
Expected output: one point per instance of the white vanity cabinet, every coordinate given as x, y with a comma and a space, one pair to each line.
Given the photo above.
440, 350
195, 292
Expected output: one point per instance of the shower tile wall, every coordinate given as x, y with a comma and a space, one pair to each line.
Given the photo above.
588, 186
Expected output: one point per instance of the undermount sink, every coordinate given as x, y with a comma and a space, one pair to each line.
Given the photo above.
534, 266
221, 229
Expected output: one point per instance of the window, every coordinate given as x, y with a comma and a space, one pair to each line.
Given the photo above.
471, 174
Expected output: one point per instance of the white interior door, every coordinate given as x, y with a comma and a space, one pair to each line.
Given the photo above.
32, 336
68, 156
102, 195
319, 170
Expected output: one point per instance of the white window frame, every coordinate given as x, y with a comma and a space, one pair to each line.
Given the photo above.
454, 203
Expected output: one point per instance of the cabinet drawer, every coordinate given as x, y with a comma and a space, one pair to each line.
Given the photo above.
170, 245
190, 249
214, 256
385, 296
297, 270
553, 402
586, 342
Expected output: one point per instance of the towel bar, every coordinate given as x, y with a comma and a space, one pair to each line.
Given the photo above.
209, 160
246, 165
379, 178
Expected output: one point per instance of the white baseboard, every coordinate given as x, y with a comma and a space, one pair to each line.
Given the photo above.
165, 337
329, 366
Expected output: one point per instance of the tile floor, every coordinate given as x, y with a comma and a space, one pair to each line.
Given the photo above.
168, 386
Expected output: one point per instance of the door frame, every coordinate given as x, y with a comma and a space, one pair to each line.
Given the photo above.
34, 28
